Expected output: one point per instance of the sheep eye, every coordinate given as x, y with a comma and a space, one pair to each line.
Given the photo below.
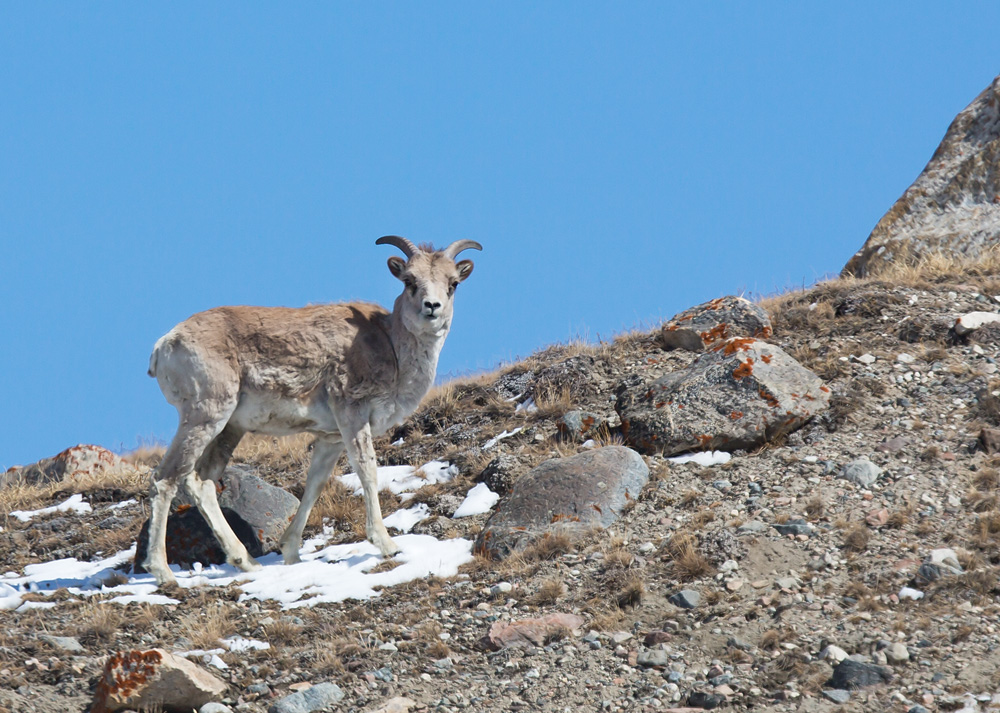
410, 285
451, 288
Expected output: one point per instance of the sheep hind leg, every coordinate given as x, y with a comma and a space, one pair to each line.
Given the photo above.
324, 458
201, 485
188, 446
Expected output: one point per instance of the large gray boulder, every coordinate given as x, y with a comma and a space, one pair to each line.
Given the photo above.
954, 205
736, 396
705, 325
565, 495
265, 508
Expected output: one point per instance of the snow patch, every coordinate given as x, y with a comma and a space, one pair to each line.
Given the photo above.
496, 439
75, 503
478, 500
705, 458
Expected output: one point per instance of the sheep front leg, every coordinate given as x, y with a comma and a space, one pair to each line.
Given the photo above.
361, 453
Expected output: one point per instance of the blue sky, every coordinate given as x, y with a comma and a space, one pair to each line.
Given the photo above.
619, 162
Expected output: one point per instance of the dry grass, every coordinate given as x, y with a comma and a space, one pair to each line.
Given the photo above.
857, 537
632, 592
340, 506
772, 638
549, 591
98, 623
548, 547
688, 562
552, 401
205, 627
815, 507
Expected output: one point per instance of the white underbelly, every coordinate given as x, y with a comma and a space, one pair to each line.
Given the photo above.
265, 413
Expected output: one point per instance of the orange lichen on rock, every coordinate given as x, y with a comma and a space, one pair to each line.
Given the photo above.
766, 358
124, 672
736, 344
704, 440
764, 332
772, 401
716, 303
736, 415
716, 333
744, 369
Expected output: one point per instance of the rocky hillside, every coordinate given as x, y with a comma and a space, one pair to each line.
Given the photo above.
844, 560
954, 205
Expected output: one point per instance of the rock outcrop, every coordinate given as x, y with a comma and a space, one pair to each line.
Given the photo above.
564, 495
705, 325
737, 396
954, 205
76, 462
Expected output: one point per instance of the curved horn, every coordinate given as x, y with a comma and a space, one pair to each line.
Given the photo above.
408, 248
459, 245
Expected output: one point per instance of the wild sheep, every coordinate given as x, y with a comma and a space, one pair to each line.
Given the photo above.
343, 372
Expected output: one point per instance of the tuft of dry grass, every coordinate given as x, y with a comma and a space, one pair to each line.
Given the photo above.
549, 591
548, 547
815, 508
688, 562
632, 593
99, 622
772, 638
205, 627
857, 537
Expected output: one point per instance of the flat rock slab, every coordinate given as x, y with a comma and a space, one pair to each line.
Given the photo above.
153, 679
73, 463
738, 395
706, 325
529, 632
564, 495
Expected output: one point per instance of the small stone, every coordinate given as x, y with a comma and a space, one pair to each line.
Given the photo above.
866, 359
708, 701
833, 654
65, 643
686, 599
620, 637
837, 695
316, 698
399, 704
213, 707
904, 358
786, 583
910, 593
796, 526
850, 674
947, 557
877, 518
653, 658
752, 527
897, 653
861, 472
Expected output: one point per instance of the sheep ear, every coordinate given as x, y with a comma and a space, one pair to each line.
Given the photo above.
464, 269
397, 266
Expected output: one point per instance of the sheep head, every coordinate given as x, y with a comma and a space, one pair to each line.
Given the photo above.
430, 278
